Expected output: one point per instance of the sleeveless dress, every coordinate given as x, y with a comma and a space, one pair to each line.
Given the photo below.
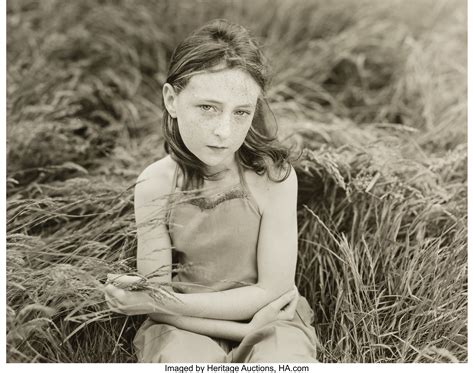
215, 242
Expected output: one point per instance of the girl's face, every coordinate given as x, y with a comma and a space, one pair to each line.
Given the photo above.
214, 113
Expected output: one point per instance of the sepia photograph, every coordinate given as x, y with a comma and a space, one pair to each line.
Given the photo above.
236, 181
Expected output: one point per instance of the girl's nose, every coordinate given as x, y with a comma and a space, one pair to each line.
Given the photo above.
223, 128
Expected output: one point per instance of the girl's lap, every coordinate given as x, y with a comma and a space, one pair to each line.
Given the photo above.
278, 341
281, 340
163, 343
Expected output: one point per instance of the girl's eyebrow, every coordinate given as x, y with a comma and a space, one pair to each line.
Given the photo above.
212, 101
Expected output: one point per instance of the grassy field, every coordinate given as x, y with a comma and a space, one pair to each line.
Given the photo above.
374, 93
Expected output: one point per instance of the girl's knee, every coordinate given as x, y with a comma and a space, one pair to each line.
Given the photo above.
278, 343
180, 346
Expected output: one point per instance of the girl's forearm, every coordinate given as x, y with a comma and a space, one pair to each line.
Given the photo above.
234, 304
231, 330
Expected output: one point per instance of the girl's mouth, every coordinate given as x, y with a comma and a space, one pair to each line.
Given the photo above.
216, 148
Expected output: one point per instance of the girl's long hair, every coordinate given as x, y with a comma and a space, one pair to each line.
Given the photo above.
222, 42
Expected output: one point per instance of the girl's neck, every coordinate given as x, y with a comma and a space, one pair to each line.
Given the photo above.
229, 171
224, 176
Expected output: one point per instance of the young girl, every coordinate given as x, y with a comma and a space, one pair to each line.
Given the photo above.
237, 235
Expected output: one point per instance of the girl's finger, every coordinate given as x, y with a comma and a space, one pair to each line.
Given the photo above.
107, 289
286, 298
114, 294
283, 315
287, 311
291, 308
111, 303
122, 279
112, 276
110, 289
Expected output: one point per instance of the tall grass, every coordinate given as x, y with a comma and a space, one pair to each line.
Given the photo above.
375, 95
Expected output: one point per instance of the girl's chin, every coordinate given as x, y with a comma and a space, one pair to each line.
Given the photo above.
217, 163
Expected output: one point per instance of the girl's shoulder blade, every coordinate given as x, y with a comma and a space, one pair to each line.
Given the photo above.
156, 179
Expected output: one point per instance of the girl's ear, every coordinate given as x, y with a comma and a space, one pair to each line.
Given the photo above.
169, 98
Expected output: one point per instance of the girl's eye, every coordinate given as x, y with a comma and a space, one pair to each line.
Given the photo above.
205, 107
242, 113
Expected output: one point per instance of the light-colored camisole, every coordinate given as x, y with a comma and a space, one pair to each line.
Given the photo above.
214, 238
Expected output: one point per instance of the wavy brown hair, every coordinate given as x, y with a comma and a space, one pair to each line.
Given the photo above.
222, 42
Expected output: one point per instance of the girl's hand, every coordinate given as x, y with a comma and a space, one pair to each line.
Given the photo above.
123, 281
276, 310
125, 301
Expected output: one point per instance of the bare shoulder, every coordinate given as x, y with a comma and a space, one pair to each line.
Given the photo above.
156, 179
267, 191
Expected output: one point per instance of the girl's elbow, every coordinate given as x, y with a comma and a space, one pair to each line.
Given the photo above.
275, 290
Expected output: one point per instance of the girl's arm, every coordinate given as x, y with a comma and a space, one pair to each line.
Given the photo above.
232, 330
150, 203
283, 308
277, 254
276, 257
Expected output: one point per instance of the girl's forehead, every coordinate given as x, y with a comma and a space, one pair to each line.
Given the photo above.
226, 84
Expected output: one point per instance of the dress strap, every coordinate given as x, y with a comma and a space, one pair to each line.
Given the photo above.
240, 169
251, 198
175, 179
171, 198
